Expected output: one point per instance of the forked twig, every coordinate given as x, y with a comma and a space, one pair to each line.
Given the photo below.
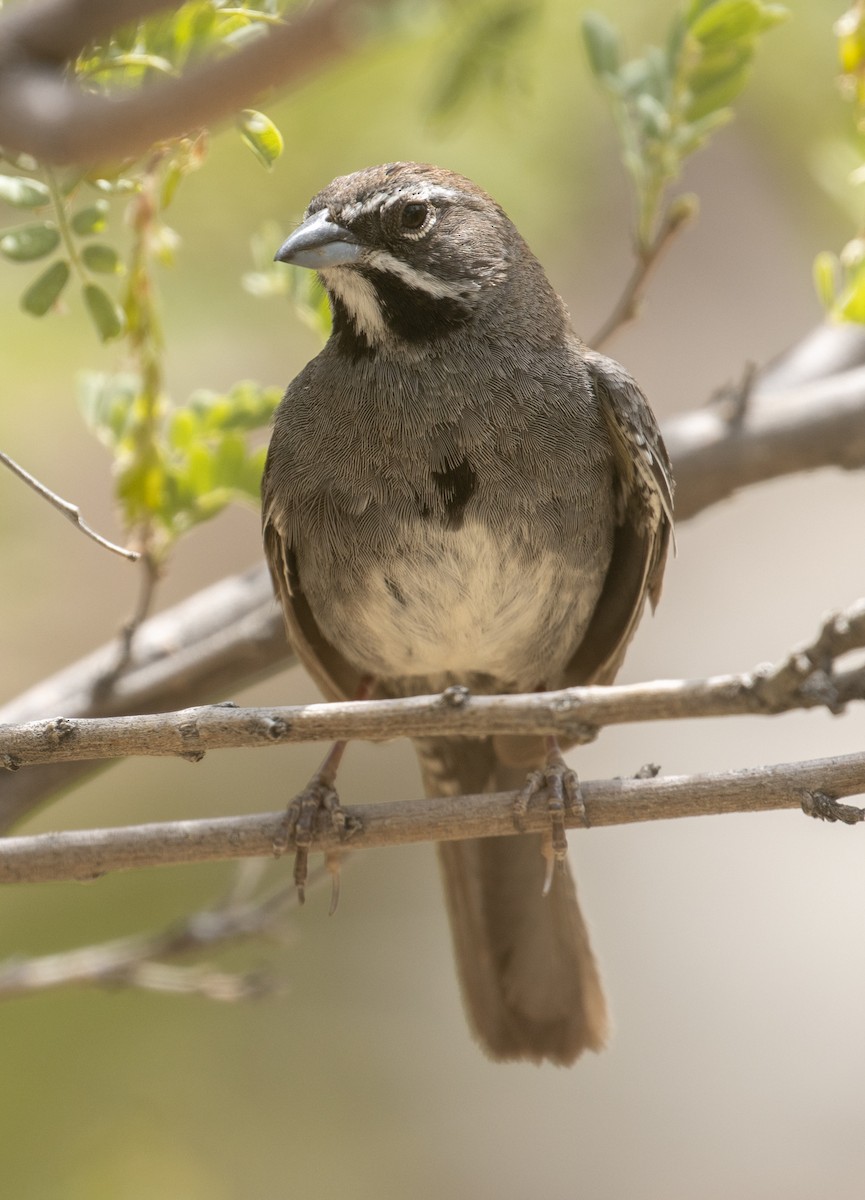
627, 307
70, 511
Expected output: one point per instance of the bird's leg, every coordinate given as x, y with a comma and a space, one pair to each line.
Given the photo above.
301, 817
561, 785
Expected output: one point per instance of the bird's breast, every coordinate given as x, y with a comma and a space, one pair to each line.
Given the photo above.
447, 604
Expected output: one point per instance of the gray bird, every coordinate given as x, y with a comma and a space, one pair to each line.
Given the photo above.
458, 491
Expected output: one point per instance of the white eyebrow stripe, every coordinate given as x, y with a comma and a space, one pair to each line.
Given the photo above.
423, 191
441, 289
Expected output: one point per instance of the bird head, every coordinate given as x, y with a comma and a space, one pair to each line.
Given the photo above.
408, 253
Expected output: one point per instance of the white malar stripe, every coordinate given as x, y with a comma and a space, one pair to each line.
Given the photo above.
360, 300
382, 260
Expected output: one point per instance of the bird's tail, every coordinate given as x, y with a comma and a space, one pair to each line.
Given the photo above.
528, 976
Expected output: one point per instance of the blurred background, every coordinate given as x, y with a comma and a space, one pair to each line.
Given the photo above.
732, 948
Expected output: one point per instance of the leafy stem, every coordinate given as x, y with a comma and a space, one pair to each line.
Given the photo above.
627, 308
58, 203
667, 103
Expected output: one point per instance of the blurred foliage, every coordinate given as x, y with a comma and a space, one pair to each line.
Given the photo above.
175, 465
269, 278
483, 52
840, 278
199, 460
668, 102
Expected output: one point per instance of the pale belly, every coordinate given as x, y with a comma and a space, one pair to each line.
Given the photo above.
459, 604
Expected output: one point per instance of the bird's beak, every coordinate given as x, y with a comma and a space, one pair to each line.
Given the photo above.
319, 243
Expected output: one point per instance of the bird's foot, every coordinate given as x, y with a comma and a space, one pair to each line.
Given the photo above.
560, 786
303, 818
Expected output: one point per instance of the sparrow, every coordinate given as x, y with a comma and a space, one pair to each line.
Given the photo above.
458, 491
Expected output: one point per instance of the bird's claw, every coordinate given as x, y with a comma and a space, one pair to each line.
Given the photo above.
560, 785
299, 828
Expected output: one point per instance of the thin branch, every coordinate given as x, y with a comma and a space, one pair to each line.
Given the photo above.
90, 854
70, 511
45, 114
805, 679
149, 577
139, 961
627, 307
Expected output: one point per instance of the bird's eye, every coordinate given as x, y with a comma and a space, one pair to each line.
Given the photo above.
414, 215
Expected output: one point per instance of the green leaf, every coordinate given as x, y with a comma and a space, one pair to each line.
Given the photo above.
654, 118
692, 136
486, 54
826, 277
92, 219
726, 21
718, 98
172, 180
102, 258
603, 46
850, 306
106, 315
30, 242
23, 193
182, 429
107, 403
46, 289
261, 136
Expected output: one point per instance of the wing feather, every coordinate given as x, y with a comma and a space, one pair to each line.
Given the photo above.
644, 531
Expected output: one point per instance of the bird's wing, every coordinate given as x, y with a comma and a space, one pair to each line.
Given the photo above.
335, 676
644, 525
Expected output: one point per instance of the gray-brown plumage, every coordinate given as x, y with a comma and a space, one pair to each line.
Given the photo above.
458, 491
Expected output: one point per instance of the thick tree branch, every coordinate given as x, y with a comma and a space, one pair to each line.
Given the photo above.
819, 424
221, 638
45, 113
87, 855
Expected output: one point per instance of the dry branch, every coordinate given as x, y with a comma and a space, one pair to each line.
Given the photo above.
138, 961
70, 511
45, 113
805, 679
87, 855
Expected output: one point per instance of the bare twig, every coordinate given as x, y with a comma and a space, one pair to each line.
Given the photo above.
806, 679
93, 853
45, 113
627, 307
70, 511
148, 580
733, 399
139, 961
135, 961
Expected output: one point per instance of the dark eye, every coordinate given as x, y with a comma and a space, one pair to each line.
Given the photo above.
414, 215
